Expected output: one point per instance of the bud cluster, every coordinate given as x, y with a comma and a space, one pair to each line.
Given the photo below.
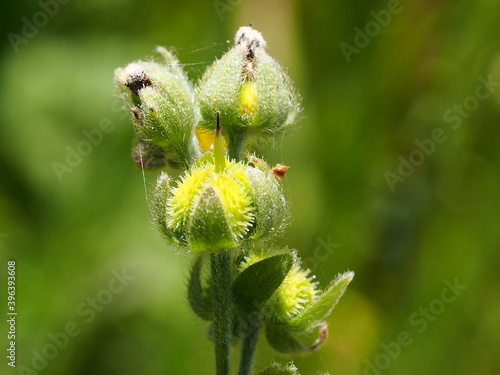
228, 203
218, 202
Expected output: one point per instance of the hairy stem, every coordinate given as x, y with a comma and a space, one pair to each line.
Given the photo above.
223, 319
236, 143
248, 349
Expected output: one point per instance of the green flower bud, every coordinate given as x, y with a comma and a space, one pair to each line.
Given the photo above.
215, 207
250, 89
162, 102
294, 314
307, 330
297, 290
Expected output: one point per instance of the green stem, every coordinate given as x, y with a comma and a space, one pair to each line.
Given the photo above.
248, 349
236, 143
223, 319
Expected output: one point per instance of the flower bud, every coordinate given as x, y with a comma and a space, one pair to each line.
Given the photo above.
250, 89
294, 314
215, 208
297, 290
162, 103
307, 330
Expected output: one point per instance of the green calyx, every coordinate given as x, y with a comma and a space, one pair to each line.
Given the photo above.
162, 103
294, 314
213, 208
250, 89
306, 331
297, 290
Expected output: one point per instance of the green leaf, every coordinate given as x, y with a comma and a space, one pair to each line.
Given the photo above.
256, 284
284, 340
198, 299
323, 305
279, 369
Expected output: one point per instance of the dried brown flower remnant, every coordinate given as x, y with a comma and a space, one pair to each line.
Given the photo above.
279, 171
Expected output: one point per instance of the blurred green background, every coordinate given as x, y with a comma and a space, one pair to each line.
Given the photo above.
438, 224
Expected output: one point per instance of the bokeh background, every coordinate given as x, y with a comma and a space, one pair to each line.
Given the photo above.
438, 224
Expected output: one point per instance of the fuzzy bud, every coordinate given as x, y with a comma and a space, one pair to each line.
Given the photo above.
250, 89
162, 103
214, 208
297, 290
